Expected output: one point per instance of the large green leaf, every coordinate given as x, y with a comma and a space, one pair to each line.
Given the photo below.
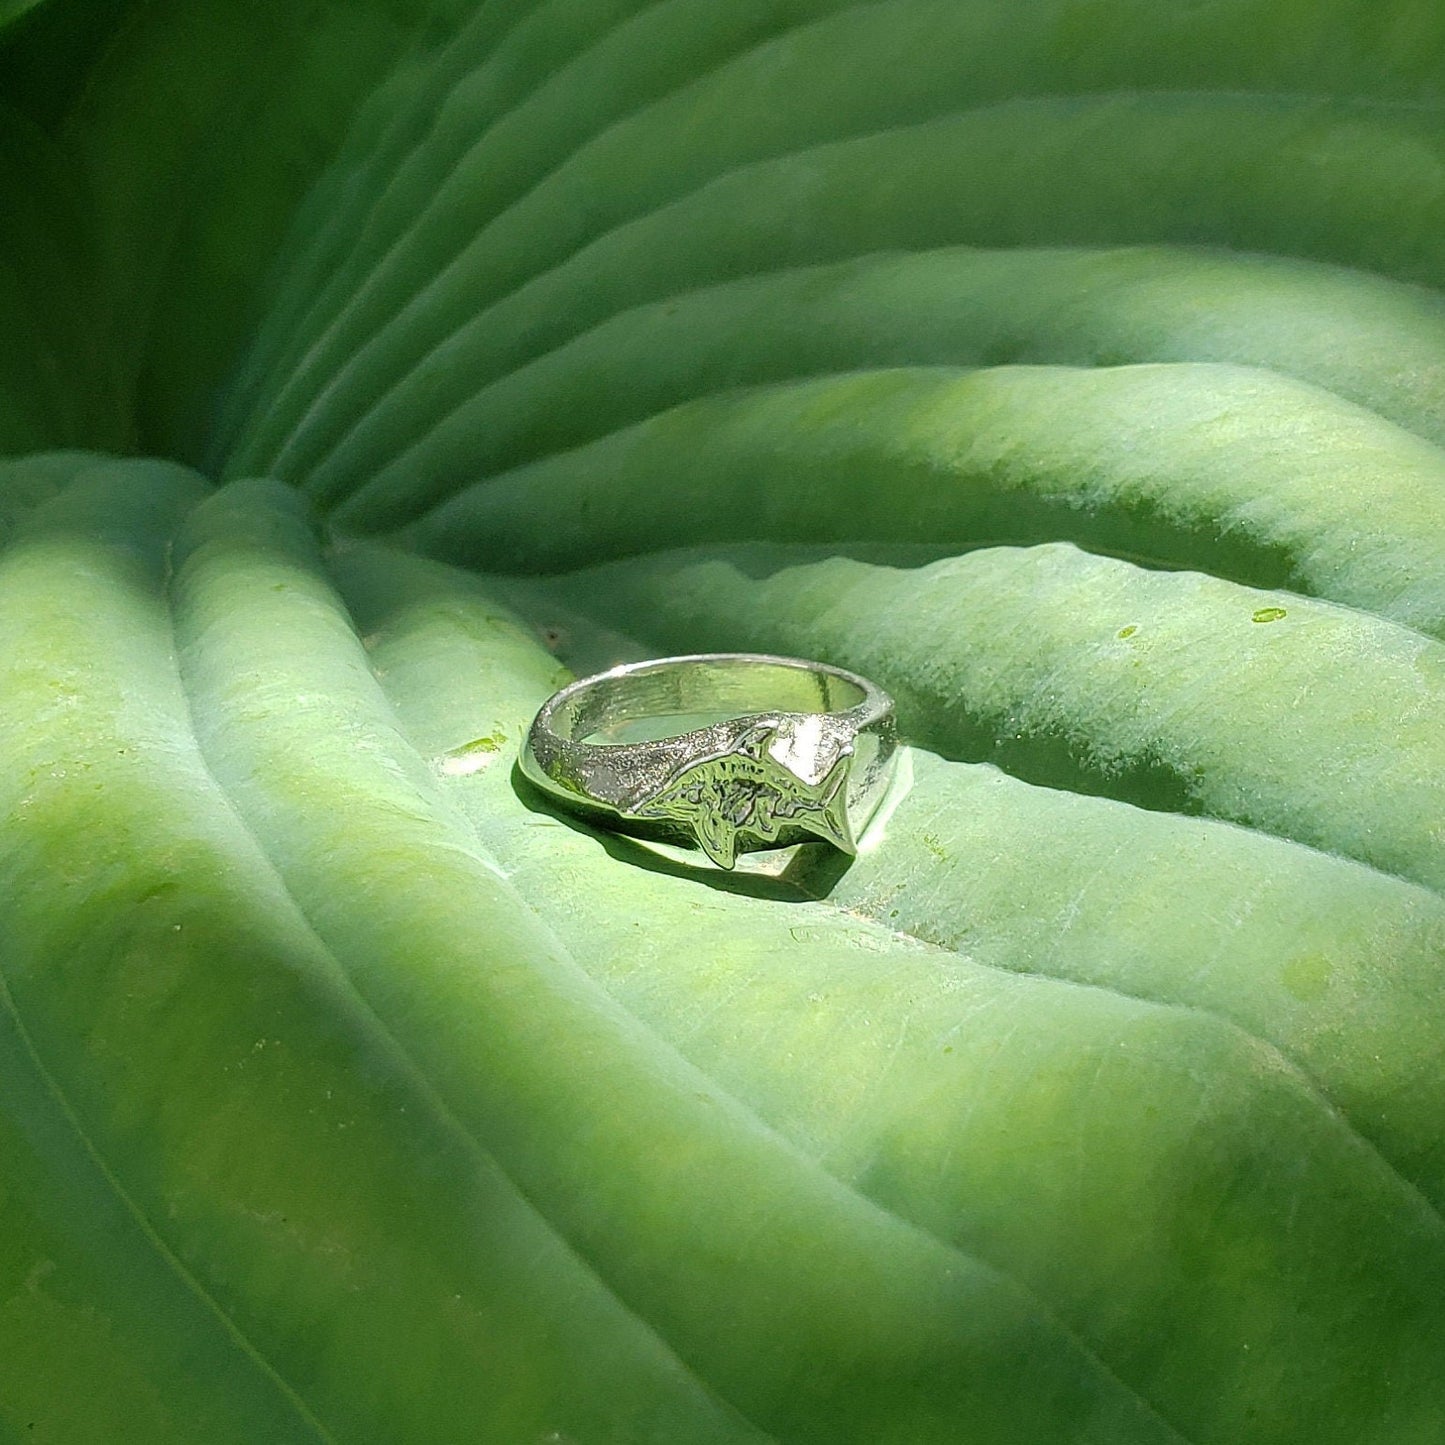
1077, 370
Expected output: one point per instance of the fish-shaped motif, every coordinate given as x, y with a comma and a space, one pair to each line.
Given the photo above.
748, 790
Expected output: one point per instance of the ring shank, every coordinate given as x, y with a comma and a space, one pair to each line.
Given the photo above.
733, 684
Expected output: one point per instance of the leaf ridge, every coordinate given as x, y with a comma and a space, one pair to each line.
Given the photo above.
769, 456
950, 306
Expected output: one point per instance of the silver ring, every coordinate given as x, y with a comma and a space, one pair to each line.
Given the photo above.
730, 752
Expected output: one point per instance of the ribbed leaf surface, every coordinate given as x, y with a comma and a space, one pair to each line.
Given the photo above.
1075, 371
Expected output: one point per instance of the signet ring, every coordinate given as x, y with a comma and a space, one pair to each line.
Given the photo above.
728, 752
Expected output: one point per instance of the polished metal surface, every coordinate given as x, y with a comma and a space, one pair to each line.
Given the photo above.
729, 752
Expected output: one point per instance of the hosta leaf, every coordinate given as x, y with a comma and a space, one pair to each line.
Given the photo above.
197, 129
1076, 370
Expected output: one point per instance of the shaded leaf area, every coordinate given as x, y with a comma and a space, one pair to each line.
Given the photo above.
194, 130
12, 10
376, 1091
482, 247
69, 34
56, 383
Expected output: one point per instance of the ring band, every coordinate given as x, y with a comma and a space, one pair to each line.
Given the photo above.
757, 752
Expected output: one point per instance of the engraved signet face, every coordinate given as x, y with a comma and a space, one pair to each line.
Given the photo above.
747, 790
